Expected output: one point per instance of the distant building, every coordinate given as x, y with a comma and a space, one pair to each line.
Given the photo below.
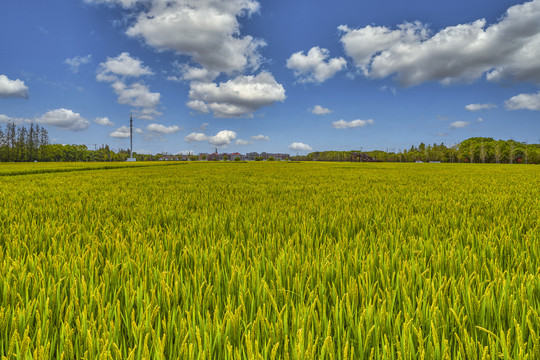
281, 156
252, 155
169, 158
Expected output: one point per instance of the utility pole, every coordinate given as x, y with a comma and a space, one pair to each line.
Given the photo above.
131, 158
130, 136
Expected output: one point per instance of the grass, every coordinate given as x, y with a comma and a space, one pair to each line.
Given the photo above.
273, 261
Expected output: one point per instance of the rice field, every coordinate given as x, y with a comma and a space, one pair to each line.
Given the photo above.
270, 260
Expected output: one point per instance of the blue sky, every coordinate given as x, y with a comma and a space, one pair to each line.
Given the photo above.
279, 76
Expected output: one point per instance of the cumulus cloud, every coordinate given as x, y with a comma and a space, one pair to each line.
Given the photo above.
122, 65
319, 110
61, 118
138, 95
103, 121
64, 119
260, 138
12, 88
206, 30
507, 49
237, 97
116, 71
523, 101
209, 33
77, 61
193, 73
199, 106
298, 146
195, 136
120, 133
478, 107
222, 138
315, 67
162, 129
241, 142
459, 124
479, 120
342, 124
123, 132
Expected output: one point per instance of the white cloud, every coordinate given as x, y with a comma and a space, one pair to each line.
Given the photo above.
162, 129
138, 95
122, 65
315, 66
342, 124
222, 138
64, 119
241, 142
123, 132
319, 110
197, 73
77, 61
103, 121
120, 133
116, 71
199, 106
12, 88
507, 49
459, 124
478, 107
523, 101
480, 120
237, 97
61, 118
206, 30
298, 146
260, 138
195, 136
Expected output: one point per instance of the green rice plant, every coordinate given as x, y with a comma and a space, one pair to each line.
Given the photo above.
270, 261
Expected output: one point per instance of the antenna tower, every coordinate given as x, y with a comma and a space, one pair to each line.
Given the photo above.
130, 136
131, 158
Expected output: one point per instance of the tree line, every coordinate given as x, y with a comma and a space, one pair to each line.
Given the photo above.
21, 143
472, 150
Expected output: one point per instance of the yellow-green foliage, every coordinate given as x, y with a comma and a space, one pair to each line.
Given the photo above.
272, 261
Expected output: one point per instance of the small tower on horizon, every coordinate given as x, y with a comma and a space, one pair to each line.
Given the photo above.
131, 158
130, 135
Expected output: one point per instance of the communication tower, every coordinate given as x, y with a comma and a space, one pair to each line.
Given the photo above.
131, 158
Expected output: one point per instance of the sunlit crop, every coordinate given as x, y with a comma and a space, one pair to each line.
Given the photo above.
271, 261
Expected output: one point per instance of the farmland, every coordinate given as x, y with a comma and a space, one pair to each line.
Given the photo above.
271, 260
